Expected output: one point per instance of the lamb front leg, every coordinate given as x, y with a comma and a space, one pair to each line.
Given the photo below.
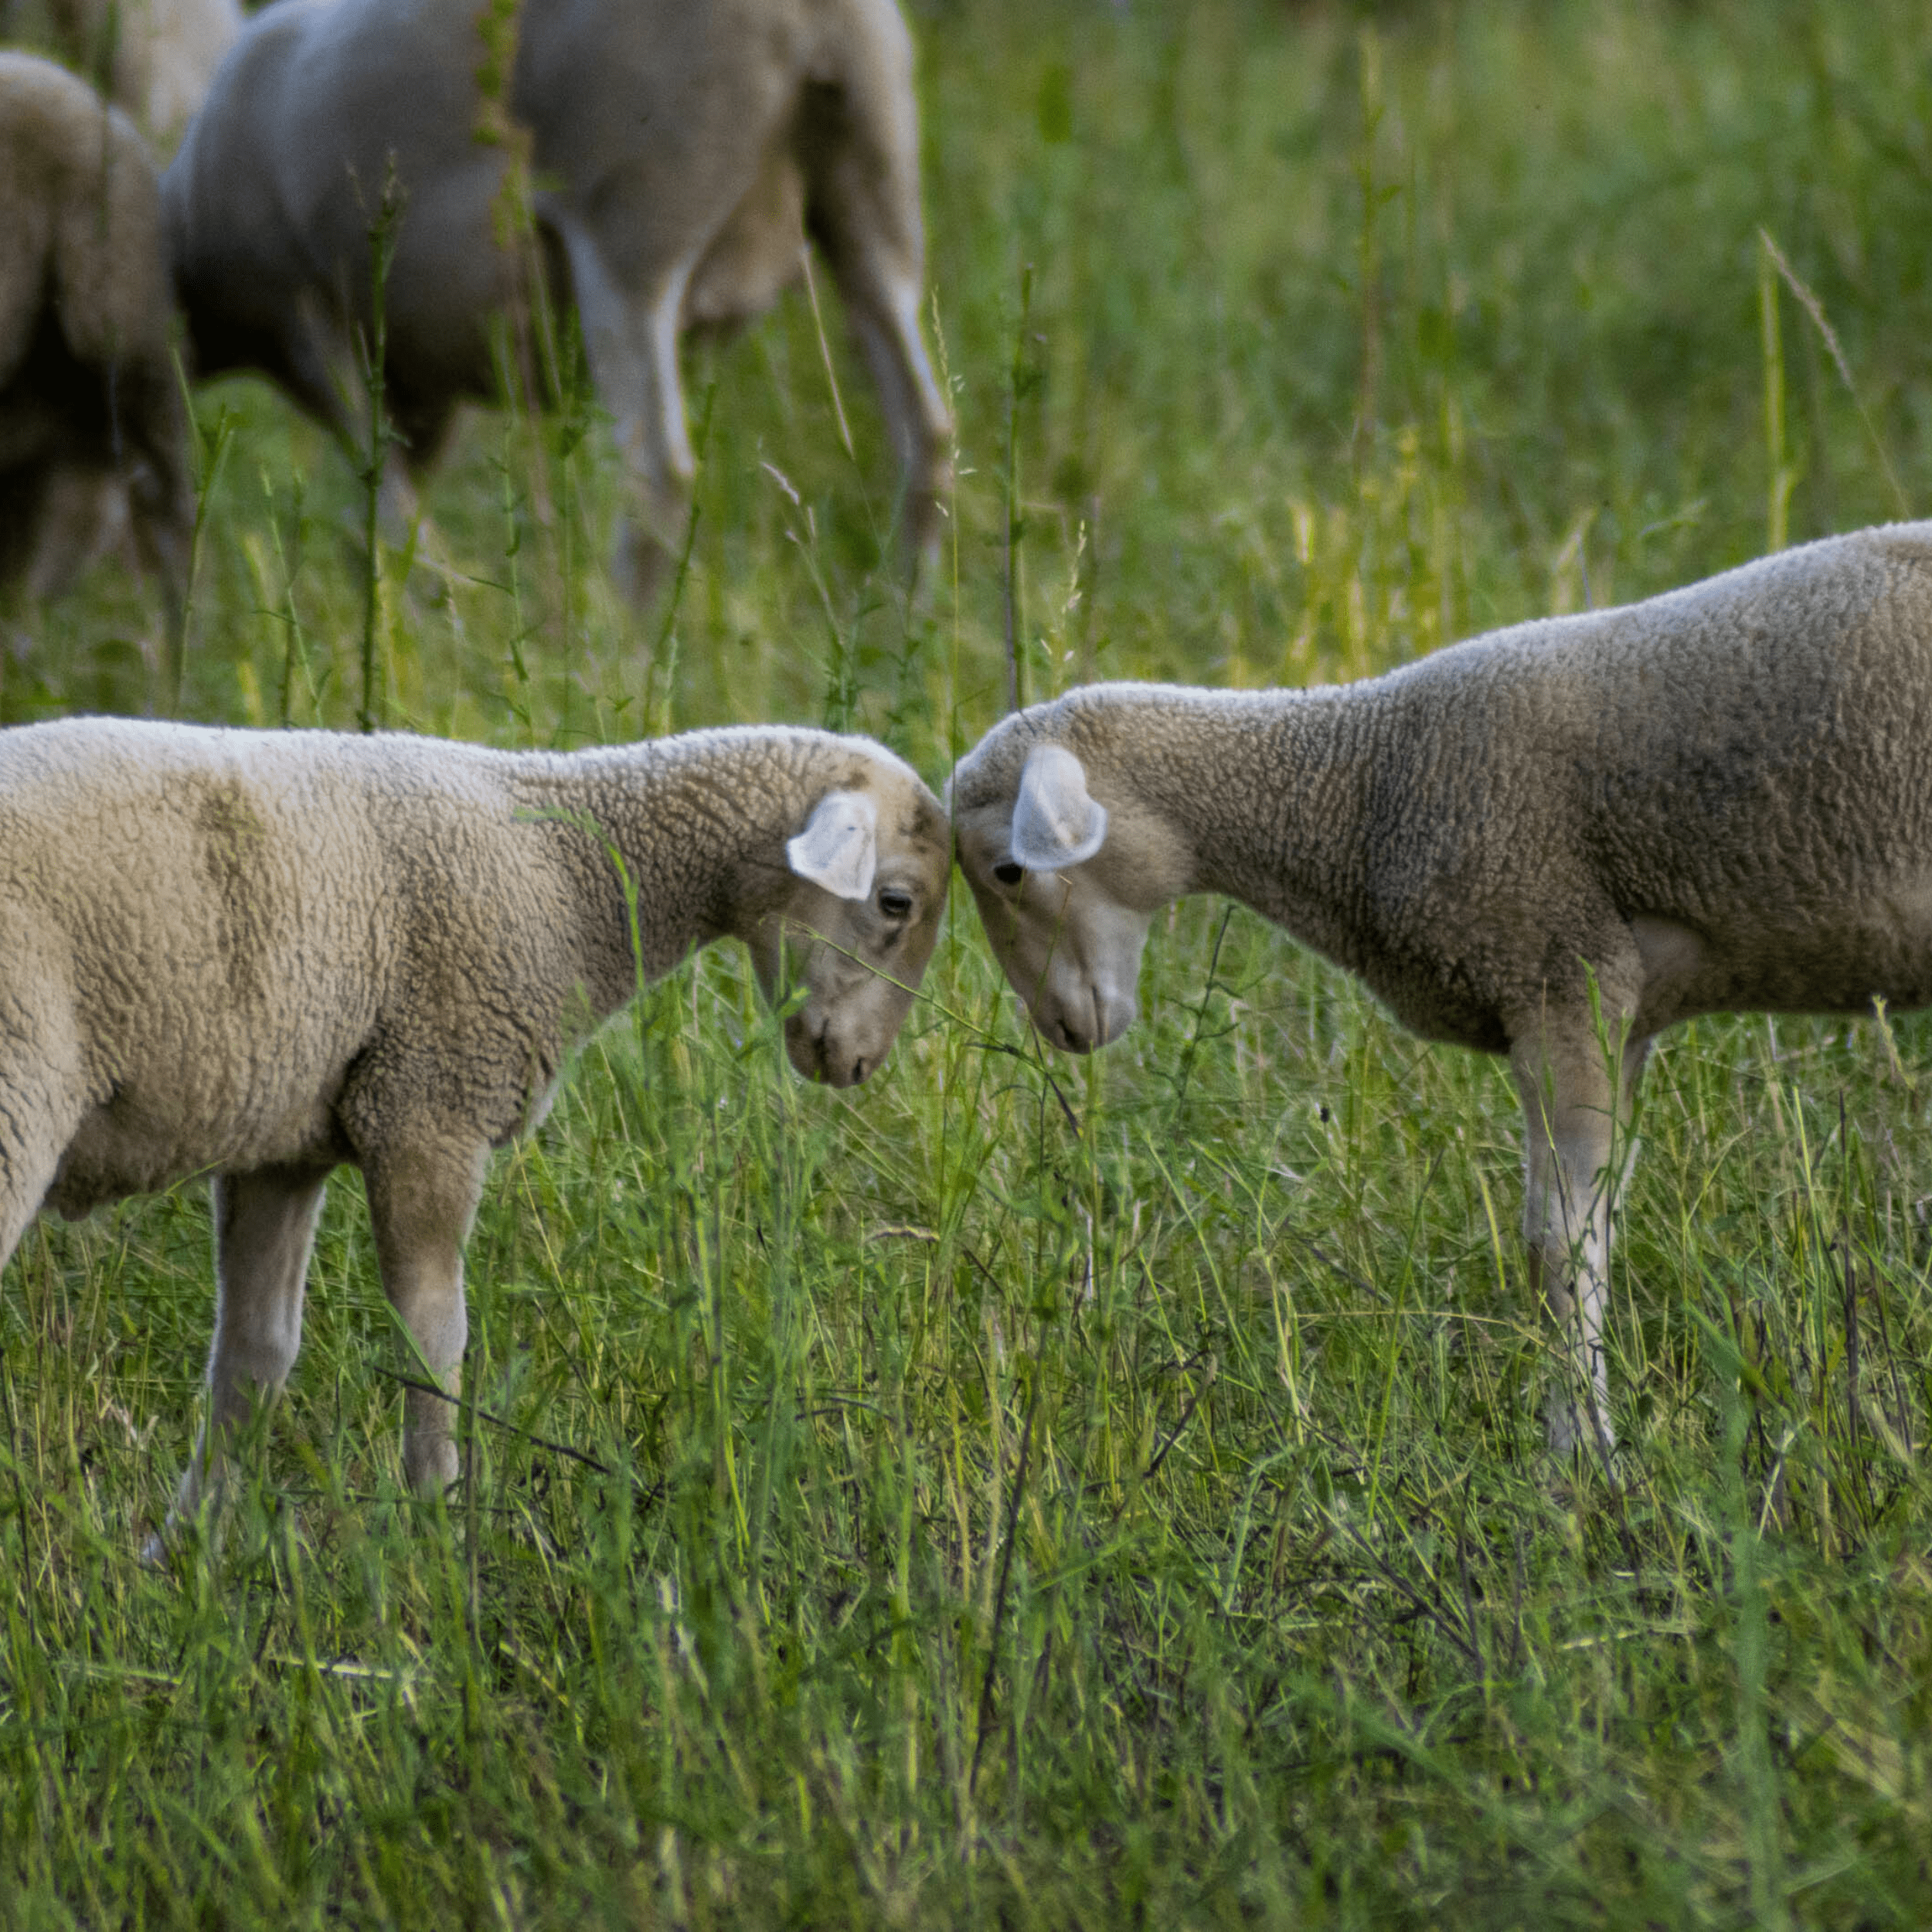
1573, 1115
422, 1199
264, 1232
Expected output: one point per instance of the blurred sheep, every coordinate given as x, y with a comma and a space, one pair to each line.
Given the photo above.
154, 57
93, 429
674, 154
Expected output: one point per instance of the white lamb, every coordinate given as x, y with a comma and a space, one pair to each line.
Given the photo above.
1717, 799
259, 955
93, 432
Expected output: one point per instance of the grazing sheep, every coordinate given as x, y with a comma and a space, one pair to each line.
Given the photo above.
154, 57
92, 432
258, 955
1720, 798
680, 151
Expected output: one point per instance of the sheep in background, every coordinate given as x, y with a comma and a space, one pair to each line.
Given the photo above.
1720, 798
93, 432
259, 955
680, 151
154, 57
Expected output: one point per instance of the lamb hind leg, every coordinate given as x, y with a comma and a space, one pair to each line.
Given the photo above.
319, 366
860, 146
264, 1233
42, 1092
422, 1199
28, 1163
1574, 1114
883, 310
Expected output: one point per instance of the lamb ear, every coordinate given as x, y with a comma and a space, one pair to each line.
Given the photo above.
1055, 823
838, 848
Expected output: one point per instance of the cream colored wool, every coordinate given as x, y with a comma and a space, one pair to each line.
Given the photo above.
1719, 798
259, 955
155, 58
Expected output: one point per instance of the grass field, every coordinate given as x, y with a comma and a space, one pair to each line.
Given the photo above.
1033, 1492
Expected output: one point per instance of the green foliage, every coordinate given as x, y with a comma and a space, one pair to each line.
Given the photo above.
1042, 1492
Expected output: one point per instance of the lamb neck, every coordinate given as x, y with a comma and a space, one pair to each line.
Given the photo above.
696, 825
1269, 791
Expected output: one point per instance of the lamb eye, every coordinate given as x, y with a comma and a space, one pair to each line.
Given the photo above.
896, 905
1010, 872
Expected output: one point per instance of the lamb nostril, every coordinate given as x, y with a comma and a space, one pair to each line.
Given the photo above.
858, 1071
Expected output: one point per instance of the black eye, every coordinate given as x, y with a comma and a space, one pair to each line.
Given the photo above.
1010, 872
896, 904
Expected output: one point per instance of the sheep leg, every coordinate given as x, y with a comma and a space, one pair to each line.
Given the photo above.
162, 493
264, 1232
631, 345
1572, 1119
42, 1087
422, 1200
883, 311
860, 146
28, 1159
323, 373
320, 370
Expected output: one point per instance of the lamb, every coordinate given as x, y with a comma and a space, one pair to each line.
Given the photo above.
154, 57
93, 430
259, 955
1720, 798
681, 150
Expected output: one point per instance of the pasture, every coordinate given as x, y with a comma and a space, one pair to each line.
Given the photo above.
1031, 1491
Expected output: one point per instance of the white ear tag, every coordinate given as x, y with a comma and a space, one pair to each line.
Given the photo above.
838, 848
1055, 823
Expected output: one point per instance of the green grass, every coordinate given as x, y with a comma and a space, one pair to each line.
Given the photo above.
1037, 1492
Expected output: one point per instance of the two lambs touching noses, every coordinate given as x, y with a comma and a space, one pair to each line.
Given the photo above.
261, 955
1720, 798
